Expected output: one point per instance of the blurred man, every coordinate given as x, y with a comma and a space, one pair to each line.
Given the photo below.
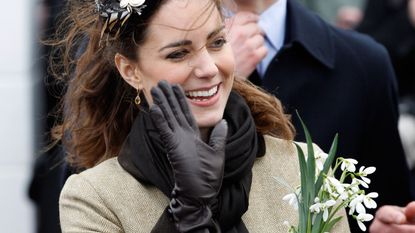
339, 81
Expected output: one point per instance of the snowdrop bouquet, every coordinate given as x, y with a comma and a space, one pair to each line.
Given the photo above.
321, 195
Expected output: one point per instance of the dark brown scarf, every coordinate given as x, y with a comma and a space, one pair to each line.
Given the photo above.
144, 157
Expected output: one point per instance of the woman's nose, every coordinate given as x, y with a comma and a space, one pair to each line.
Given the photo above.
204, 64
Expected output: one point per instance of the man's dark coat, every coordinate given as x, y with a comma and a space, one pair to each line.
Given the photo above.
342, 82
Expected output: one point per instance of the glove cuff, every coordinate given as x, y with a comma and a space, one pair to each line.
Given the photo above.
189, 216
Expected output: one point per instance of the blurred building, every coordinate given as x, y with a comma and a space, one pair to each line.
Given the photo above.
17, 103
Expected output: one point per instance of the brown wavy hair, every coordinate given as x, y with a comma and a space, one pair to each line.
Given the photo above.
97, 107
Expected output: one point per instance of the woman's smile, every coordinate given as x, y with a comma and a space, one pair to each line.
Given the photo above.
204, 97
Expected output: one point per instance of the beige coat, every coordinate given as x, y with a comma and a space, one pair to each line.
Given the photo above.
108, 199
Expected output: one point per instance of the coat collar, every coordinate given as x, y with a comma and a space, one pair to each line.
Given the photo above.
307, 29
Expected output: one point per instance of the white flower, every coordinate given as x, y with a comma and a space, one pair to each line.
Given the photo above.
327, 186
356, 204
292, 199
354, 186
337, 184
320, 159
132, 3
363, 172
349, 165
358, 182
347, 193
326, 206
366, 171
317, 207
365, 179
363, 217
333, 191
334, 187
369, 202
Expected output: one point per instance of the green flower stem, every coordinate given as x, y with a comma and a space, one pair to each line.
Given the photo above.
332, 214
344, 176
309, 222
338, 162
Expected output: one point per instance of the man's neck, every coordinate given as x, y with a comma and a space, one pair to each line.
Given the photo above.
256, 6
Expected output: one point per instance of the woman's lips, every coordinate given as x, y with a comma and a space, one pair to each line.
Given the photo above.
204, 97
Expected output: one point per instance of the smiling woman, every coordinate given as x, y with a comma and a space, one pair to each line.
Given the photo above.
167, 137
189, 42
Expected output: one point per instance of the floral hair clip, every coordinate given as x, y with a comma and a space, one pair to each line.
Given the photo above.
117, 12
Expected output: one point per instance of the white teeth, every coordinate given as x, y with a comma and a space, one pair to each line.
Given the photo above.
198, 94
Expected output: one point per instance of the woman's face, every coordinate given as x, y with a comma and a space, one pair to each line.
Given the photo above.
186, 44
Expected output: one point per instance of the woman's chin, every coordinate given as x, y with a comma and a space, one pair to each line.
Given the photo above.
209, 121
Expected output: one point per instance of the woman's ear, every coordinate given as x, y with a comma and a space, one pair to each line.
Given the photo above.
128, 70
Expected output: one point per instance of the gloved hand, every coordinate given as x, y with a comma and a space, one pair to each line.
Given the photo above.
197, 166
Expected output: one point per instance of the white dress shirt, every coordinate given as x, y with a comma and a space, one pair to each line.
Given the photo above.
272, 22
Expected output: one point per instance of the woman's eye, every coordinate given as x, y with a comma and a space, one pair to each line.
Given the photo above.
177, 55
218, 43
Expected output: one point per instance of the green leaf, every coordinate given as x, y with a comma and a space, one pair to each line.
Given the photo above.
327, 163
329, 226
303, 169
317, 223
311, 162
304, 204
284, 183
310, 186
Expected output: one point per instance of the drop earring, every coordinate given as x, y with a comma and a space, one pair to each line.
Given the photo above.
137, 99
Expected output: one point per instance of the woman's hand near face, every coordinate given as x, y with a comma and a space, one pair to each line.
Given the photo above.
394, 219
197, 166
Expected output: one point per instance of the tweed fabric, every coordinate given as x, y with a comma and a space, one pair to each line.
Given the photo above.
108, 199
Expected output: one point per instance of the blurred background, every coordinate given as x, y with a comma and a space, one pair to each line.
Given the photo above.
30, 180
24, 103
17, 84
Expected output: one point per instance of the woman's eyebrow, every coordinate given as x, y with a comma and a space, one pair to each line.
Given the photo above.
177, 44
215, 32
188, 42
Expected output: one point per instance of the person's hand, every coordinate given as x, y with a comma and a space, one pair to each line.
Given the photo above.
394, 219
247, 41
411, 11
348, 17
197, 166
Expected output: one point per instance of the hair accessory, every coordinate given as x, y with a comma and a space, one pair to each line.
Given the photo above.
117, 12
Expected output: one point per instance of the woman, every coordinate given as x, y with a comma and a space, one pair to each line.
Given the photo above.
187, 154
